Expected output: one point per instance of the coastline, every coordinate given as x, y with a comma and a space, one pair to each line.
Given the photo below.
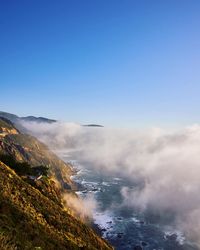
80, 189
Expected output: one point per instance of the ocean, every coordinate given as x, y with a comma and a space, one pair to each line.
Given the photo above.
124, 227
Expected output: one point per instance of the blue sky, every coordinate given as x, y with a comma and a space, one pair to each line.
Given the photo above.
115, 62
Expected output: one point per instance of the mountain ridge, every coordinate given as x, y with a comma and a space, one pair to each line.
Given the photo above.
17, 120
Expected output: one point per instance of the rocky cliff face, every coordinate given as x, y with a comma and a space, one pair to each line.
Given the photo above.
7, 127
26, 148
32, 214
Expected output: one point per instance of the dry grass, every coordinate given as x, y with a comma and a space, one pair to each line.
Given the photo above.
6, 243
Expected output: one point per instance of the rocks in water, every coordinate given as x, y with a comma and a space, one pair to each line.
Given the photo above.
144, 244
137, 247
172, 237
109, 222
119, 235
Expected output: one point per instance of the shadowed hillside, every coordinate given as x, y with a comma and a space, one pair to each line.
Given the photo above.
26, 148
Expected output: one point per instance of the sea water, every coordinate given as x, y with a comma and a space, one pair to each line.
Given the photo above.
123, 227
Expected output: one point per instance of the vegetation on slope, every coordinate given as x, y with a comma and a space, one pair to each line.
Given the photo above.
32, 215
26, 148
29, 219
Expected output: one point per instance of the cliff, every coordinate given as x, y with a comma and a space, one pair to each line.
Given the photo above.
26, 148
32, 214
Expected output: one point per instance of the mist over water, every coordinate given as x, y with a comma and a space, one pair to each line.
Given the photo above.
165, 165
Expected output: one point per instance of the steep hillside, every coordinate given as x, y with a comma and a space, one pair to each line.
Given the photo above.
7, 127
26, 148
32, 212
30, 220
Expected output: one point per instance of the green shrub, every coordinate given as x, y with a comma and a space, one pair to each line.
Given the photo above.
23, 168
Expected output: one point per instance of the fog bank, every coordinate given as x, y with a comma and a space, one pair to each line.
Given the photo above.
166, 163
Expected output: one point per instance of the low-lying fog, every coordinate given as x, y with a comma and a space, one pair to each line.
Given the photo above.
166, 163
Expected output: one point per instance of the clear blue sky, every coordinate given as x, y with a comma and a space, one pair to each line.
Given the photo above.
126, 62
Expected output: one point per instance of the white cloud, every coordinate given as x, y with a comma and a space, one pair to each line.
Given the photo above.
166, 163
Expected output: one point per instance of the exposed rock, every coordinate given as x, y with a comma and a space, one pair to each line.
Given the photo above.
137, 247
172, 237
144, 244
26, 148
32, 210
119, 235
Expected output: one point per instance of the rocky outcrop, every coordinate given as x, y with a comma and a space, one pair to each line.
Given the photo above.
26, 148
32, 213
